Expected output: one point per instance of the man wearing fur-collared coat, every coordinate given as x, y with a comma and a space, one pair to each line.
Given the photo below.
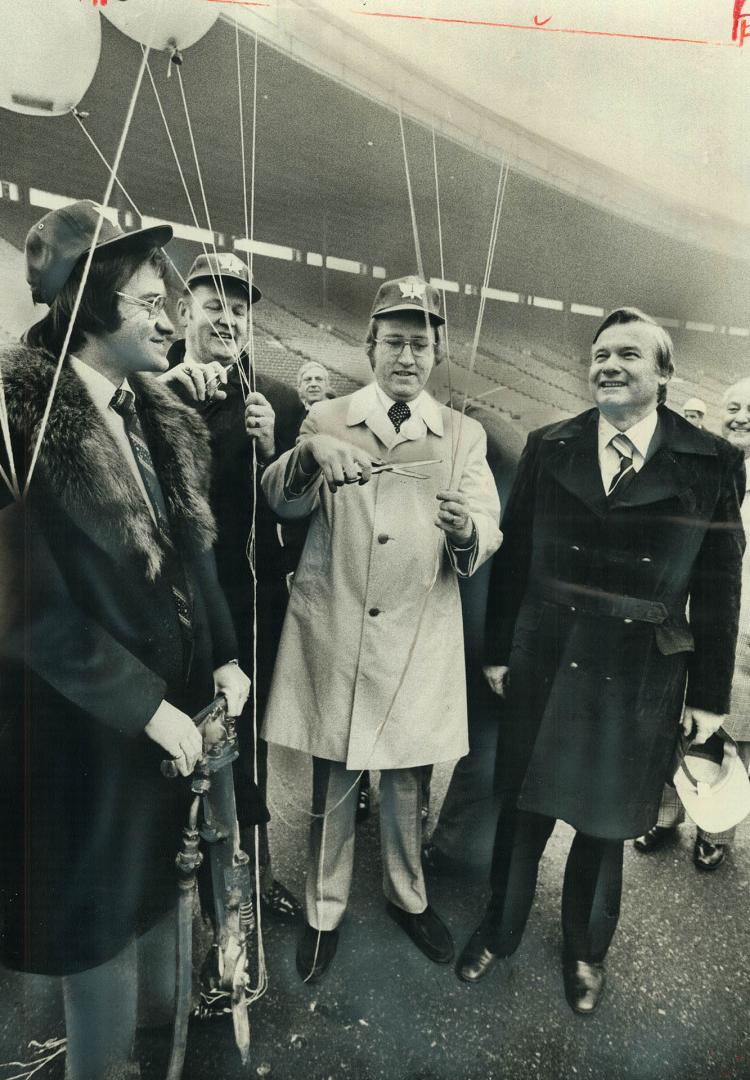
370, 672
113, 633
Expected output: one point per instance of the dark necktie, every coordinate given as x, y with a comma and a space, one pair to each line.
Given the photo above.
398, 414
626, 473
123, 403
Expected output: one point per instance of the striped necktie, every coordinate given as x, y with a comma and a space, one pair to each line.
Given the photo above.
123, 403
398, 414
626, 473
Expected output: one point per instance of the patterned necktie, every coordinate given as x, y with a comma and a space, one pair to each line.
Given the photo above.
123, 403
626, 473
398, 414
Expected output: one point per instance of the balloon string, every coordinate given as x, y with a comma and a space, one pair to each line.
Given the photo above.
233, 352
454, 447
201, 313
202, 187
87, 265
10, 482
251, 546
494, 230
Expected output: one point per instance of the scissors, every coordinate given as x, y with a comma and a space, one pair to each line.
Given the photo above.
404, 468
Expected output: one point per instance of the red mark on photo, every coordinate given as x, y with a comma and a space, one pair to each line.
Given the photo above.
543, 22
740, 23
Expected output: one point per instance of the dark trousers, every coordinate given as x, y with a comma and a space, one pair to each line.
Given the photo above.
591, 891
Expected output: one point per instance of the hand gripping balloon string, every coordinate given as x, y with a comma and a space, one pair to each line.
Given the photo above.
78, 117
87, 266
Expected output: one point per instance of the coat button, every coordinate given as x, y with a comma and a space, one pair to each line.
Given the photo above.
374, 611
574, 547
627, 620
572, 608
573, 664
383, 538
645, 559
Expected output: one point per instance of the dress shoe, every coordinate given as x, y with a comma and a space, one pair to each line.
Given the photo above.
655, 838
476, 960
363, 804
315, 953
584, 985
708, 856
427, 930
279, 904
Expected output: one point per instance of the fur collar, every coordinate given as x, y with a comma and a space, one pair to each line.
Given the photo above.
81, 467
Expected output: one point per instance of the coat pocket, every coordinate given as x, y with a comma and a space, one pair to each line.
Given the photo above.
674, 639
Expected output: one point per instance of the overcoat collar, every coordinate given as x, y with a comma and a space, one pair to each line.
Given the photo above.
365, 408
81, 468
570, 454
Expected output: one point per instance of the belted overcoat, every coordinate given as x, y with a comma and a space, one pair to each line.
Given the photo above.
588, 606
371, 665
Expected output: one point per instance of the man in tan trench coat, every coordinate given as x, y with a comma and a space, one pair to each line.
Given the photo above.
370, 672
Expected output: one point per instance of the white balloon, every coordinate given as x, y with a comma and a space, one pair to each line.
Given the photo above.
163, 24
49, 51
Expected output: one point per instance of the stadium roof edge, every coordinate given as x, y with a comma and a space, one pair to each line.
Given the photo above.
316, 38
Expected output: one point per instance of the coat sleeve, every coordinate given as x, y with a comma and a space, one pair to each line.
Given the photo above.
291, 494
477, 485
715, 594
42, 627
510, 567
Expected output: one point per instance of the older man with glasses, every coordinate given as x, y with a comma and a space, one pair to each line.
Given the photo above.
370, 671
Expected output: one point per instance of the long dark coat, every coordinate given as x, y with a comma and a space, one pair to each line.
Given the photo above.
233, 500
588, 607
89, 647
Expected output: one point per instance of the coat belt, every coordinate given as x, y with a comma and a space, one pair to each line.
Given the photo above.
591, 601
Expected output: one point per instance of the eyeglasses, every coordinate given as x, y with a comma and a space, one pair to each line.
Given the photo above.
154, 307
419, 346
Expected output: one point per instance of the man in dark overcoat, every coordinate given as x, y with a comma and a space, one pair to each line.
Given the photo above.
215, 313
618, 518
113, 633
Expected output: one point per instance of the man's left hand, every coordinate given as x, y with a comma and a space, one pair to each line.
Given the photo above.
703, 723
259, 424
454, 517
201, 382
231, 681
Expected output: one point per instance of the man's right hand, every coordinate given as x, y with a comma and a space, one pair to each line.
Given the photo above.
340, 462
177, 734
497, 678
202, 382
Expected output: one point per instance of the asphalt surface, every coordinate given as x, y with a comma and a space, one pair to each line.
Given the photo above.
677, 1002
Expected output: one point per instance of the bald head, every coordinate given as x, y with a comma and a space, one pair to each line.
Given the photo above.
735, 415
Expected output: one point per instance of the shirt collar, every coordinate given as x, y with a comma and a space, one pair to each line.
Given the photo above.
422, 406
100, 388
640, 434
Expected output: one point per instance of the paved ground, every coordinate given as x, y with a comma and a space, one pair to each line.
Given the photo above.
677, 1005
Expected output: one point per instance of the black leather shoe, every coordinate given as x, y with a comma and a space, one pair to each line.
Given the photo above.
476, 960
427, 930
279, 904
652, 840
315, 953
708, 856
584, 985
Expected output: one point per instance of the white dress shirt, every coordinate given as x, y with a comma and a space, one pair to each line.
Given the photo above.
640, 436
101, 390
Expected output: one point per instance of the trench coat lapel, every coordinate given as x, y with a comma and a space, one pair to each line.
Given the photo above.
570, 454
667, 473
